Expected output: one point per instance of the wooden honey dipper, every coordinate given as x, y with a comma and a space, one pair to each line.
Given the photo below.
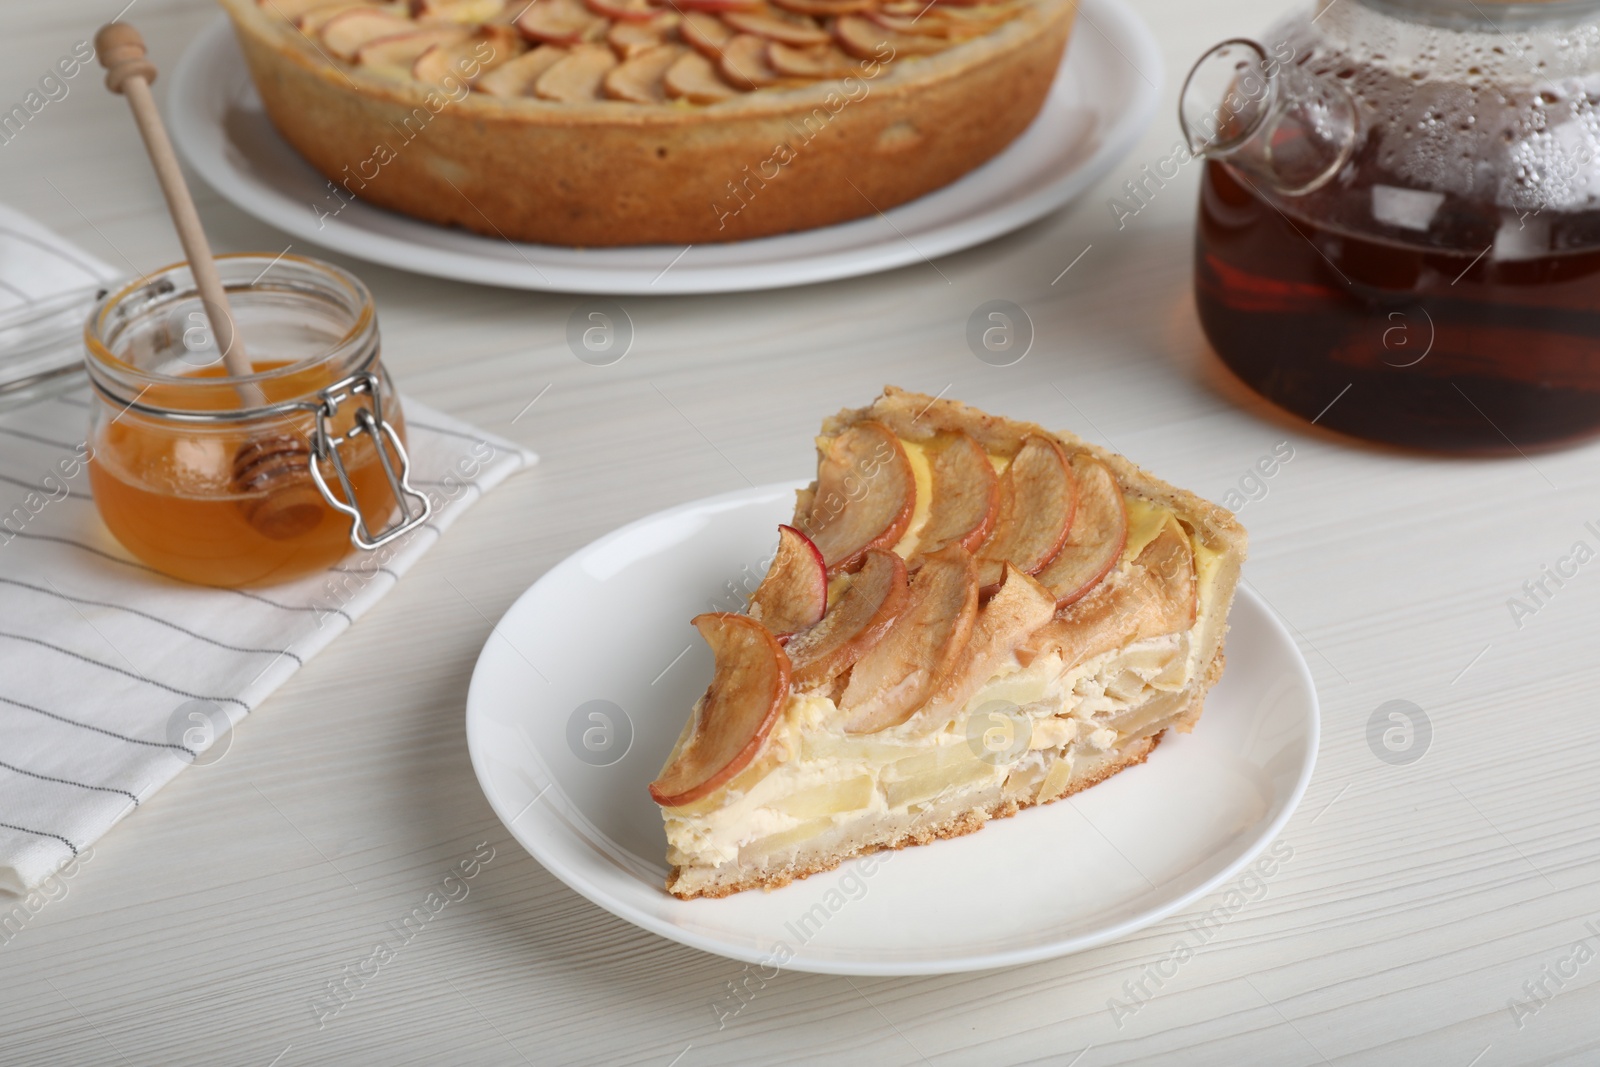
272, 472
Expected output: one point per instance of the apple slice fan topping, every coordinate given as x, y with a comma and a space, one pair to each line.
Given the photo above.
1038, 496
1017, 609
865, 495
1096, 537
794, 594
349, 31
750, 44
946, 564
866, 609
396, 56
894, 679
1003, 562
736, 714
966, 494
1158, 595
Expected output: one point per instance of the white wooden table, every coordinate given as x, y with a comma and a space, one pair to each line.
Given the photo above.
1428, 912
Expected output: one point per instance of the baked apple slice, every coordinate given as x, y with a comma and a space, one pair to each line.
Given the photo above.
966, 493
862, 37
866, 609
717, 7
394, 57
824, 8
294, 10
1019, 608
312, 22
449, 61
1168, 564
624, 10
981, 14
1159, 596
794, 30
823, 61
576, 78
736, 714
705, 33
794, 594
921, 24
694, 78
346, 33
560, 22
640, 77
520, 75
1038, 496
631, 38
320, 14
1096, 538
315, 18
864, 497
894, 679
467, 12
965, 23
744, 62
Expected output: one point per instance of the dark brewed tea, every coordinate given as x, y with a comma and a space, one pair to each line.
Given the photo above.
1488, 351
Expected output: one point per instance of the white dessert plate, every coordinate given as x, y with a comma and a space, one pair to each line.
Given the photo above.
582, 688
1100, 104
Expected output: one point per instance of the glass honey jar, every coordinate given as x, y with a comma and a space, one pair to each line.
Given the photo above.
245, 481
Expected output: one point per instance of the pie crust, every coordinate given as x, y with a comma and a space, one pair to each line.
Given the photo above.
612, 172
1093, 677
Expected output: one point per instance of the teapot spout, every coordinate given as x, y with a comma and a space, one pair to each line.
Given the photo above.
1265, 117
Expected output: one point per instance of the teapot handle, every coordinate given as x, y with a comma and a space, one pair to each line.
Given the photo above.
1267, 118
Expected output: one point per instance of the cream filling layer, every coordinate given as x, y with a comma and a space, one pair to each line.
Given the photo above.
820, 779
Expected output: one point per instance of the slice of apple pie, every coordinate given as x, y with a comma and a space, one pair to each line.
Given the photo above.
969, 616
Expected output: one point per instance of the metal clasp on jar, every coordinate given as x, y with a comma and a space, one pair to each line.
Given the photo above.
369, 420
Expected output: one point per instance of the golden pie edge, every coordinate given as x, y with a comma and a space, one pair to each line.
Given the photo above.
613, 173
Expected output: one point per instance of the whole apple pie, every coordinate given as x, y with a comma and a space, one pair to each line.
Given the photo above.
617, 122
969, 616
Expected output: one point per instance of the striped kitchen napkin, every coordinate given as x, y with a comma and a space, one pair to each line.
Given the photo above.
46, 287
37, 266
113, 678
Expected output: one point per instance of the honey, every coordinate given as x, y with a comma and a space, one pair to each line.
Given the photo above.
172, 499
252, 479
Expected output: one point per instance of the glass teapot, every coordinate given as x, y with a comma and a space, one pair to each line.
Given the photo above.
1399, 225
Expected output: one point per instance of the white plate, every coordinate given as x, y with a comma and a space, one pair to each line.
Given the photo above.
611, 623
1100, 104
